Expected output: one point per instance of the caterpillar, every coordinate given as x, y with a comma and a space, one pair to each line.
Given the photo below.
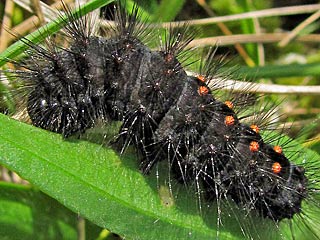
166, 114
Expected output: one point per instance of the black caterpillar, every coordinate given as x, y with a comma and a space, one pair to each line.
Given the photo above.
166, 114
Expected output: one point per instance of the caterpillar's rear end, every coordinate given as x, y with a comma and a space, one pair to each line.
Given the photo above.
166, 114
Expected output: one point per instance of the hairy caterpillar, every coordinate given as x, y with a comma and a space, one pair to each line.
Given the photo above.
201, 137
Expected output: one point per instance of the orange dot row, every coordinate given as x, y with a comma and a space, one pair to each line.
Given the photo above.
229, 121
202, 90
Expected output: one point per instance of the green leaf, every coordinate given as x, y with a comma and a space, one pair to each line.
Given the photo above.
276, 71
93, 181
26, 213
248, 27
168, 10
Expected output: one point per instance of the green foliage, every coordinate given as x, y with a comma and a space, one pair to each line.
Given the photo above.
26, 213
86, 179
95, 183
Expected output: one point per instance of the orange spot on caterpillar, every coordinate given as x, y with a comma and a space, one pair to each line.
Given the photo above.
229, 120
229, 104
277, 149
276, 168
203, 90
168, 57
254, 146
201, 78
255, 128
